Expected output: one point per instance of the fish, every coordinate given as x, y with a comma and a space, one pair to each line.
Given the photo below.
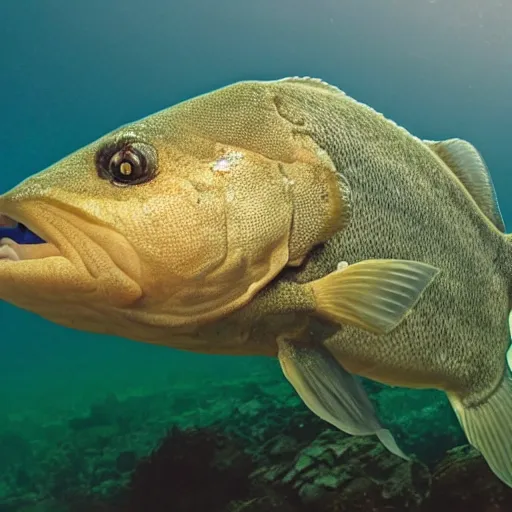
284, 219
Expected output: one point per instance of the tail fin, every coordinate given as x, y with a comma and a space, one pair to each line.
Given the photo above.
488, 427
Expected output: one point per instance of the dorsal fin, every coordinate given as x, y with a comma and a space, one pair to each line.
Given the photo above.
313, 82
467, 164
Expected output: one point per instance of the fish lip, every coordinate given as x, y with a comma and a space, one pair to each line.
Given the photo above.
12, 218
82, 280
72, 233
45, 220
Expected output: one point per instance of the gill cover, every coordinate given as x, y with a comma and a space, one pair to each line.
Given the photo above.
282, 194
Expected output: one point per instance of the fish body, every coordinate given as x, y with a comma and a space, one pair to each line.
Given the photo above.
284, 219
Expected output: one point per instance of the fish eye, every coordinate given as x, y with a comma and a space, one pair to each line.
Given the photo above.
128, 163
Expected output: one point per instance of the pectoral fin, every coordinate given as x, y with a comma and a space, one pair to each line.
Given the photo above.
375, 295
331, 392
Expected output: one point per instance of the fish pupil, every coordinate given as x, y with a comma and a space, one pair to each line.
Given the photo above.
128, 166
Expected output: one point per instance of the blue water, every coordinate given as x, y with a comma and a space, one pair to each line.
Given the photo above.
72, 71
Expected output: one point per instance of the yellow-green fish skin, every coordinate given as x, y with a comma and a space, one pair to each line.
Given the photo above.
406, 204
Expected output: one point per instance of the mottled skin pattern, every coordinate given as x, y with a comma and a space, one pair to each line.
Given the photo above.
407, 205
215, 263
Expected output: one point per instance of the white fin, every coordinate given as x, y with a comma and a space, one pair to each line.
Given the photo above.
331, 392
375, 295
467, 164
488, 427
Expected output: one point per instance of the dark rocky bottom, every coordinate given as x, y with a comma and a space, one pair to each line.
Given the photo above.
258, 451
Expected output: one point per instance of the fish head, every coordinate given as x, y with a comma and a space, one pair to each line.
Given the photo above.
170, 222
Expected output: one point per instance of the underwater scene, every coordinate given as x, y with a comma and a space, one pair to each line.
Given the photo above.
234, 288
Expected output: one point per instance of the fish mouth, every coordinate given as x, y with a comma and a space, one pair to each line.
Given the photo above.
59, 251
18, 242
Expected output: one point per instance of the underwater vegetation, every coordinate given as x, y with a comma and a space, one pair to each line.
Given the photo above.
247, 445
